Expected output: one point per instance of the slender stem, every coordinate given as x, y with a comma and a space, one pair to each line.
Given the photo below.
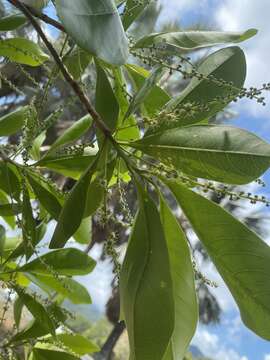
75, 86
41, 16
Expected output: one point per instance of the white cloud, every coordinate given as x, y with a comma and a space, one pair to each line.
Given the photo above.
267, 357
241, 15
211, 345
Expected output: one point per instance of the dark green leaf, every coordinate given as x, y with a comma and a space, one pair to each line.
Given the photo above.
10, 209
94, 23
30, 238
11, 22
208, 95
66, 262
106, 102
146, 288
2, 240
221, 153
240, 256
43, 354
9, 181
132, 10
17, 311
77, 62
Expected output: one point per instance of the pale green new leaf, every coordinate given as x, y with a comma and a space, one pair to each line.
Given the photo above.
176, 42
184, 294
146, 289
217, 152
241, 257
96, 27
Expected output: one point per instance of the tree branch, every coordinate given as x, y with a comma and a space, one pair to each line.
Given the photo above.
76, 87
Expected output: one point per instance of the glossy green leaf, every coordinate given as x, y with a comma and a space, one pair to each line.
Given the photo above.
216, 152
22, 51
73, 209
77, 344
241, 257
66, 262
68, 165
43, 354
184, 294
64, 286
146, 288
156, 99
36, 309
12, 22
132, 11
73, 133
145, 90
95, 195
176, 42
94, 23
84, 234
13, 122
227, 65
106, 102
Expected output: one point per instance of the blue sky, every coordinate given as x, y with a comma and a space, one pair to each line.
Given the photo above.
229, 340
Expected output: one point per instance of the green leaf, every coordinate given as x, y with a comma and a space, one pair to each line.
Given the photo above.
106, 102
175, 42
22, 51
95, 195
66, 262
43, 354
241, 257
13, 122
2, 240
45, 195
77, 344
10, 209
64, 286
9, 219
30, 238
94, 23
17, 311
184, 294
9, 181
208, 95
77, 62
70, 166
36, 309
12, 22
145, 90
146, 286
132, 11
73, 210
37, 143
84, 234
222, 153
73, 133
156, 99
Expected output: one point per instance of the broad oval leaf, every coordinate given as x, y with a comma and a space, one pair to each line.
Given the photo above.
66, 262
206, 96
184, 294
241, 257
22, 51
222, 153
191, 40
146, 286
95, 22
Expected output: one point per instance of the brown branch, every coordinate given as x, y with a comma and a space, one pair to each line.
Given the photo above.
75, 86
